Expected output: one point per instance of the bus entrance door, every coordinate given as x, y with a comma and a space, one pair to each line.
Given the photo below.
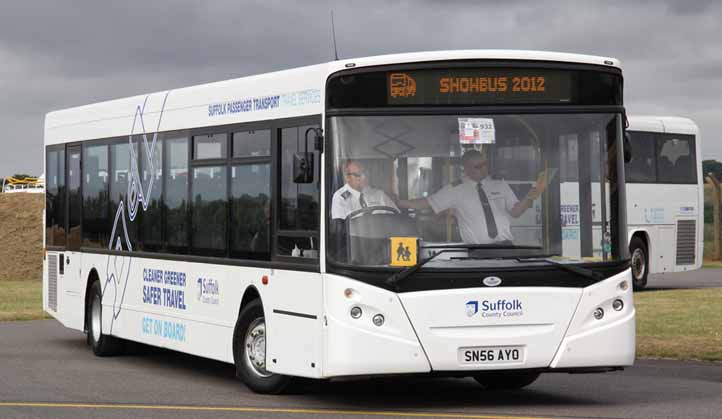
72, 286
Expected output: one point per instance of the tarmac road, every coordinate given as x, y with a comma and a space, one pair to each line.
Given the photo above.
46, 371
702, 278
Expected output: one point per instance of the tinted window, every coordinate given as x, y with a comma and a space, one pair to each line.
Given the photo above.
676, 160
96, 230
643, 167
252, 143
299, 201
74, 198
211, 146
175, 174
250, 211
55, 198
209, 210
151, 174
119, 179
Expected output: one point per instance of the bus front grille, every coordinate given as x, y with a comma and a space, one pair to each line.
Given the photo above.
686, 240
53, 282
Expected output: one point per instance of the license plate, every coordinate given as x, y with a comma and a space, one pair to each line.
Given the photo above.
490, 355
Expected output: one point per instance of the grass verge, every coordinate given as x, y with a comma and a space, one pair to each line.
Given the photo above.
21, 300
712, 264
680, 324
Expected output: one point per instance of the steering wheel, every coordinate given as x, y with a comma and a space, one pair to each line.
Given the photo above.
371, 210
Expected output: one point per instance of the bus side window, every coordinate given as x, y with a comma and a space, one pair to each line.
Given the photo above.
250, 199
643, 166
676, 162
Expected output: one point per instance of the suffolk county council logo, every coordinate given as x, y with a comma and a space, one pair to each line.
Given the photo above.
495, 308
472, 307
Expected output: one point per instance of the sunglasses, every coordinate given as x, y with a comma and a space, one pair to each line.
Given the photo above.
355, 174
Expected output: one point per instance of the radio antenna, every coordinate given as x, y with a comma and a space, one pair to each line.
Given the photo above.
333, 35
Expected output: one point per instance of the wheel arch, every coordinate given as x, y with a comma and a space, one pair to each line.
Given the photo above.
644, 236
92, 278
251, 293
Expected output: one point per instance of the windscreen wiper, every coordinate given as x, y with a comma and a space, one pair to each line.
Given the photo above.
399, 276
587, 273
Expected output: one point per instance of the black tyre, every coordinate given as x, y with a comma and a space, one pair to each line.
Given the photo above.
249, 352
640, 263
509, 380
102, 344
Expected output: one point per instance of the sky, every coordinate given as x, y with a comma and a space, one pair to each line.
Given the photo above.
59, 54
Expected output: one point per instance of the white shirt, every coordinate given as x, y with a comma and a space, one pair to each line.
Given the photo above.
464, 199
347, 200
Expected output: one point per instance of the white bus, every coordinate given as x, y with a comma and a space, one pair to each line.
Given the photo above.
665, 190
200, 220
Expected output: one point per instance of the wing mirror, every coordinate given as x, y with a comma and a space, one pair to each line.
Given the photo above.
627, 147
303, 162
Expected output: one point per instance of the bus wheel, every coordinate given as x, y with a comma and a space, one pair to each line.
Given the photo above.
249, 352
640, 263
102, 344
506, 380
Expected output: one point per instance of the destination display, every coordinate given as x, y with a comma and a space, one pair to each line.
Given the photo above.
471, 86
479, 87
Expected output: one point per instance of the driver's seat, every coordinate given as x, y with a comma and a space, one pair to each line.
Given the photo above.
368, 236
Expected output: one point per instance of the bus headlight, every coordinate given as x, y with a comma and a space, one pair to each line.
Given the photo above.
598, 313
618, 305
356, 312
379, 320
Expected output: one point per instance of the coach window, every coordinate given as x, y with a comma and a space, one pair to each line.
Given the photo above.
209, 210
211, 146
96, 232
643, 167
252, 143
55, 198
676, 162
250, 211
250, 199
151, 175
175, 176
299, 202
120, 176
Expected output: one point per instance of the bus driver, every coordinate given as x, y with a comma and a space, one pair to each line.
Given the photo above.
482, 205
356, 193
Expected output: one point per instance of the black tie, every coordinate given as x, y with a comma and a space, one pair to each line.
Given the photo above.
488, 213
362, 201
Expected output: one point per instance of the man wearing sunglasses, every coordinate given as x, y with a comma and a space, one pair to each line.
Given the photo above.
356, 193
482, 205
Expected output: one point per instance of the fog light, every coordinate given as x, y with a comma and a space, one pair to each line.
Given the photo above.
378, 320
356, 312
624, 285
598, 313
618, 305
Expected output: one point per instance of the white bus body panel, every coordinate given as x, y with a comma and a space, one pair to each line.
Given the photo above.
201, 321
609, 341
357, 346
443, 324
69, 289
